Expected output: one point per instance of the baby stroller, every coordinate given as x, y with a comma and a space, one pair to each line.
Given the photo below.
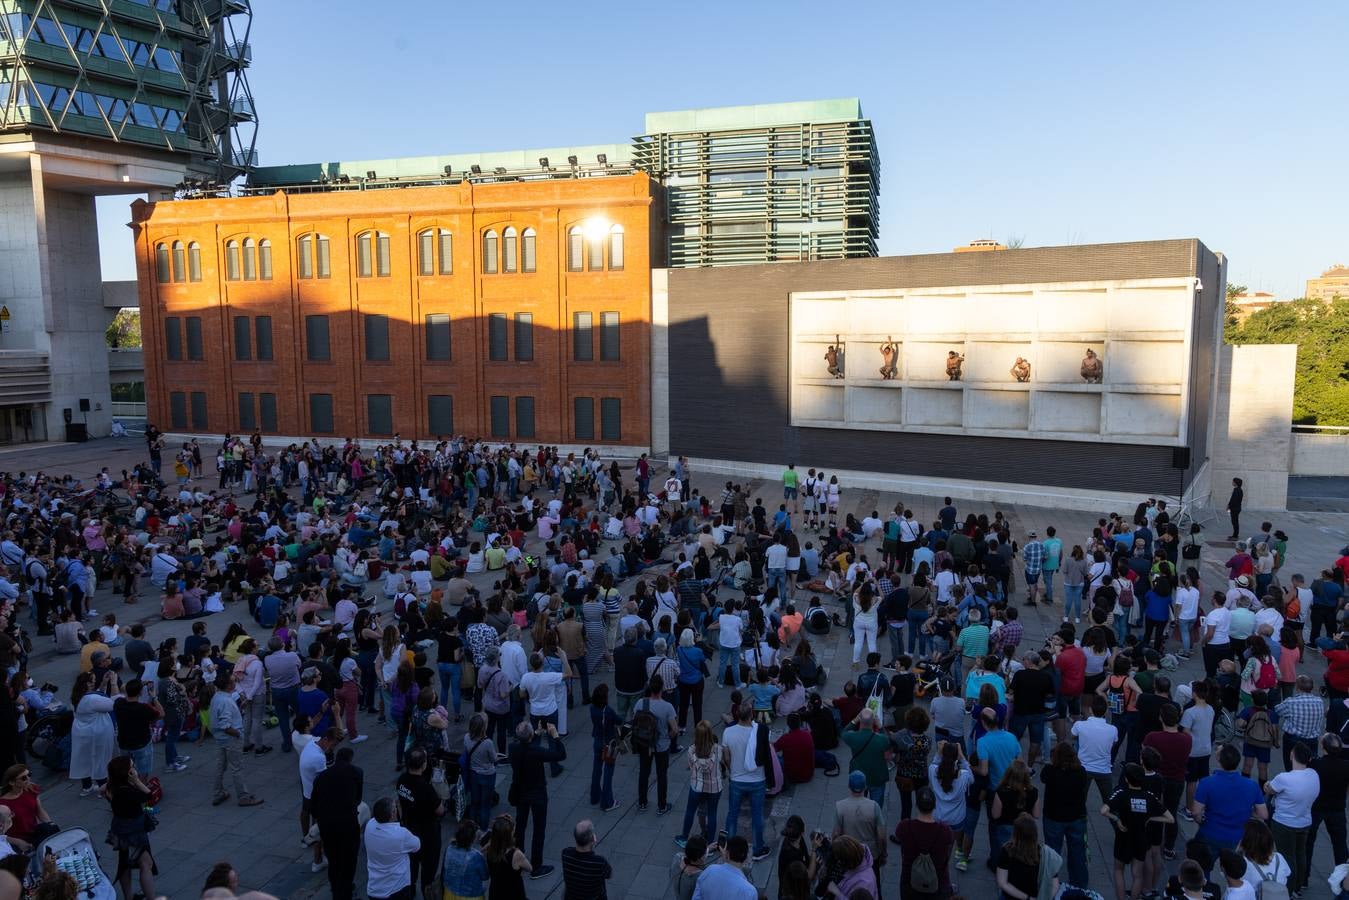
931, 674
76, 856
48, 738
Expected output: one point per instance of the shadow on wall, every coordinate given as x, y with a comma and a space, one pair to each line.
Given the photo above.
293, 369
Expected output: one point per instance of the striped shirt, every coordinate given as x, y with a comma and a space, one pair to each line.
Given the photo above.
584, 875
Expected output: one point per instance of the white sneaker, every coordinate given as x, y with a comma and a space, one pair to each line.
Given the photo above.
318, 866
356, 740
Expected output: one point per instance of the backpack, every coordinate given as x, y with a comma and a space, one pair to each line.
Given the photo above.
1115, 699
923, 875
1126, 595
645, 729
1267, 676
1268, 888
1260, 731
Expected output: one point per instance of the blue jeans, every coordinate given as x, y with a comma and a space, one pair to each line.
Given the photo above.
144, 759
284, 702
730, 658
896, 632
601, 781
1122, 627
709, 804
1072, 601
173, 726
878, 794
740, 790
1047, 579
777, 578
1075, 834
450, 673
916, 636
480, 790
578, 666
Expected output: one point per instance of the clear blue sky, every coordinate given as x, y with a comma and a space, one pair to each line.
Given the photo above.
1055, 122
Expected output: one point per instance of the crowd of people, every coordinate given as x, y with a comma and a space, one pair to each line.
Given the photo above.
465, 598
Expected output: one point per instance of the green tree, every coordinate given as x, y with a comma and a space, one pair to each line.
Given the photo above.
1321, 331
1230, 310
125, 330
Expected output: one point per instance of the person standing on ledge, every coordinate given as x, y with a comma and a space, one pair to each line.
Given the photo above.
1234, 508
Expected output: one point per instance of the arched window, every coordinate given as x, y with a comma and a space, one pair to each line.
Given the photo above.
323, 249
250, 259
426, 252
446, 242
304, 255
162, 273
265, 259
595, 251
364, 255
489, 252
616, 247
381, 254
179, 262
509, 242
194, 261
232, 265
529, 250
575, 248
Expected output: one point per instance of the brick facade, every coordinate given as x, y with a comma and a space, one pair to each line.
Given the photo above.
551, 295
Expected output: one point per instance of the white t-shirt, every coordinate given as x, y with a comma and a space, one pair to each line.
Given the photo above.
1271, 617
736, 739
871, 525
1187, 598
1198, 721
1221, 620
730, 627
388, 868
1277, 869
541, 688
1294, 793
946, 582
312, 762
1095, 738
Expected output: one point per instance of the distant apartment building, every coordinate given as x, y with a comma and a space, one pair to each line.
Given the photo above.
982, 245
1249, 303
1334, 282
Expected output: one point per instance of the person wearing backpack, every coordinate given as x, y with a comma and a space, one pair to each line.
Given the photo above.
1259, 723
925, 851
1260, 673
1121, 699
654, 726
1267, 872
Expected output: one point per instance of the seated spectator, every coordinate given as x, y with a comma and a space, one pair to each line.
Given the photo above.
797, 749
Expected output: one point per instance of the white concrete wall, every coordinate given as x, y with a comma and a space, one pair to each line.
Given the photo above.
1251, 438
20, 273
1319, 454
660, 362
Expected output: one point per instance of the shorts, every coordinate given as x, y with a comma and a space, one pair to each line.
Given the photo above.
1130, 847
1259, 754
1032, 579
1070, 706
1197, 767
890, 547
788, 493
808, 504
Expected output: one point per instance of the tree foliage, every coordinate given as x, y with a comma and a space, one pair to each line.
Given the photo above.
1321, 332
125, 330
1230, 310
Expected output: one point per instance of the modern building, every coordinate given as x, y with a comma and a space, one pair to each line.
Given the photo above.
422, 298
983, 245
125, 96
769, 183
1334, 282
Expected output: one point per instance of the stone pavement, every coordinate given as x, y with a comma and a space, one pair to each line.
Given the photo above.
264, 842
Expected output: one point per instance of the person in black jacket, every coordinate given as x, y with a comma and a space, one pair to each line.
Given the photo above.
333, 805
529, 787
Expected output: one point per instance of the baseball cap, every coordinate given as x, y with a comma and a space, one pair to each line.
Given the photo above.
857, 782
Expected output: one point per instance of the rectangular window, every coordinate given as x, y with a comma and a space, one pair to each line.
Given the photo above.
162, 274
496, 336
363, 255
524, 417
268, 404
325, 257
529, 250
584, 408
263, 326
446, 253
316, 338
440, 414
379, 413
501, 417
306, 255
575, 245
243, 343
382, 255
376, 337
611, 428
426, 249
178, 410
321, 413
524, 337
247, 421
595, 251
582, 336
173, 337
609, 336
438, 337
194, 348
199, 411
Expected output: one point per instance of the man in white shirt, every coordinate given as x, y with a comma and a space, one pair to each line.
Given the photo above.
1294, 792
387, 845
871, 524
1217, 641
747, 778
514, 662
729, 628
313, 760
162, 565
1095, 739
775, 563
539, 689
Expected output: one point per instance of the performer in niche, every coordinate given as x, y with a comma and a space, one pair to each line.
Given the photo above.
1021, 370
1092, 367
954, 363
833, 357
889, 355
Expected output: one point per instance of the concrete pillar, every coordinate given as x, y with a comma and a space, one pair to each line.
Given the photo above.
1253, 423
660, 363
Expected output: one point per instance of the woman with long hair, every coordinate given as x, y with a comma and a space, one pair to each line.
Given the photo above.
402, 698
481, 775
950, 778
1121, 696
390, 654
1290, 654
705, 758
864, 622
506, 863
465, 866
30, 823
1014, 795
93, 739
1065, 809
852, 859
912, 749
1263, 862
127, 795
1259, 673
363, 627
1018, 870
1075, 569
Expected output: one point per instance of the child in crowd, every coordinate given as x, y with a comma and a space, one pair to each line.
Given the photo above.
763, 694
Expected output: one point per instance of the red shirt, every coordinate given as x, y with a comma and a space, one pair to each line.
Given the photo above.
1175, 750
798, 755
1072, 666
849, 707
1337, 675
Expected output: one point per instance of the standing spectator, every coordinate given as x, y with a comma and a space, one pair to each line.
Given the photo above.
1197, 722
692, 677
1018, 869
227, 725
1067, 785
1302, 719
539, 689
387, 848
921, 836
481, 775
1294, 792
747, 779
1129, 810
653, 729
1224, 801
860, 818
584, 872
134, 720
1033, 554
529, 787
334, 805
313, 760
465, 869
128, 796
420, 809
1173, 747
869, 744
283, 672
1332, 767
605, 726
706, 757
1031, 692
630, 671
